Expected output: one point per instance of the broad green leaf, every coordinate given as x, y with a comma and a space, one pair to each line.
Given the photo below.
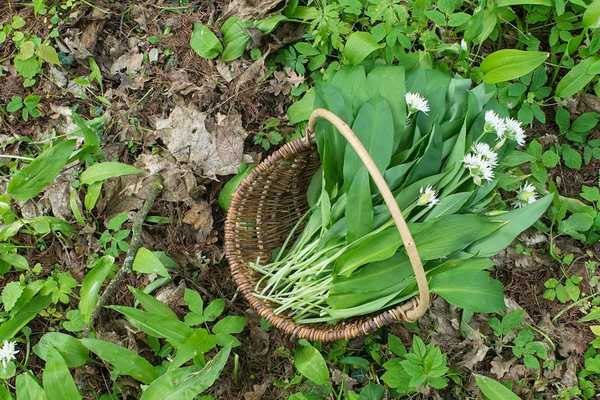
514, 222
504, 65
28, 388
100, 172
187, 383
471, 290
434, 239
156, 325
358, 47
571, 157
310, 363
229, 325
374, 127
578, 77
494, 390
70, 348
359, 216
449, 205
214, 309
57, 380
153, 305
226, 193
593, 315
91, 285
506, 3
199, 343
32, 179
123, 360
10, 294
235, 38
300, 110
268, 25
591, 16
387, 81
26, 313
147, 262
395, 375
48, 54
74, 206
372, 392
204, 42
91, 195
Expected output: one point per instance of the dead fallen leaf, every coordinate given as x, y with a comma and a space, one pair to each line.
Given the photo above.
257, 393
58, 195
591, 102
252, 76
131, 62
75, 47
172, 295
569, 377
178, 180
500, 367
572, 341
251, 9
476, 355
89, 37
200, 218
213, 152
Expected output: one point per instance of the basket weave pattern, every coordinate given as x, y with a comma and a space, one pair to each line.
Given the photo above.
263, 210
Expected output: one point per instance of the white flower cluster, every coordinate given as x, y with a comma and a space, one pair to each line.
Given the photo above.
525, 195
427, 197
504, 128
481, 162
415, 103
7, 353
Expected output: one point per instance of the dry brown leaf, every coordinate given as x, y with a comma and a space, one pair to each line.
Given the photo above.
591, 102
571, 341
500, 367
172, 295
252, 76
58, 195
569, 377
76, 48
217, 151
130, 62
200, 218
252, 9
476, 355
89, 37
257, 393
178, 180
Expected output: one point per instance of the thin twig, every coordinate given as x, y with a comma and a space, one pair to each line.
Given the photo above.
155, 186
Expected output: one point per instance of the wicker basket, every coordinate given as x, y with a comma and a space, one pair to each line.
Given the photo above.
265, 207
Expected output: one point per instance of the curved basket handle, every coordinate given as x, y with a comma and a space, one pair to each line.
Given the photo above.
390, 201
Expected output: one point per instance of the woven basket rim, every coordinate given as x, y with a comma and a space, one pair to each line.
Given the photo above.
242, 273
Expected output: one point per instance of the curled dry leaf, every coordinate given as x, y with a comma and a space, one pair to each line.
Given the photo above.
89, 37
172, 295
130, 62
257, 393
251, 9
569, 376
500, 367
215, 152
58, 195
200, 218
178, 180
477, 354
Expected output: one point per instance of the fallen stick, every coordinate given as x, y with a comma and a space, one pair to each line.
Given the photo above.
155, 187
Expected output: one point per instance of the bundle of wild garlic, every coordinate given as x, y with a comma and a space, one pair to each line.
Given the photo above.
440, 145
